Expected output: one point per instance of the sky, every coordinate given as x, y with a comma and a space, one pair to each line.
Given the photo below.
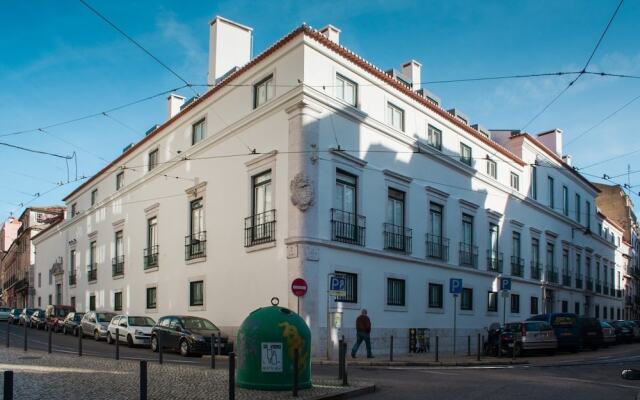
59, 61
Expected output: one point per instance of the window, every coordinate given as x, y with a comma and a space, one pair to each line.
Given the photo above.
434, 137
515, 181
565, 262
467, 229
493, 240
550, 192
515, 246
51, 276
74, 209
395, 207
565, 306
196, 222
534, 305
395, 292
195, 242
346, 192
492, 168
152, 250
604, 312
262, 91
39, 302
551, 250
39, 279
153, 159
262, 194
351, 285
151, 298
73, 301
92, 254
465, 154
395, 117
533, 188
117, 301
94, 196
578, 216
120, 180
92, 302
119, 247
72, 262
492, 301
466, 299
196, 293
346, 90
587, 214
435, 295
576, 308
565, 200
197, 131
597, 311
515, 303
535, 252
50, 299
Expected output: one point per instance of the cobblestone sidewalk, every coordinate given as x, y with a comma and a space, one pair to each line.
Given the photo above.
39, 375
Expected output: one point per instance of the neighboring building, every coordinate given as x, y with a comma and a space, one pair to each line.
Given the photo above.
8, 234
618, 206
356, 171
19, 280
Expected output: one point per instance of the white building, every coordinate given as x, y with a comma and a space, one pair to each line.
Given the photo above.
355, 170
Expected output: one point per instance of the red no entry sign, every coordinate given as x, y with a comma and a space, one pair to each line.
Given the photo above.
299, 287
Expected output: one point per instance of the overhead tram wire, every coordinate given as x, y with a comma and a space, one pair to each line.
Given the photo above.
582, 72
42, 152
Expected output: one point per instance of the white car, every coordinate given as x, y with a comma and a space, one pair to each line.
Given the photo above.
135, 330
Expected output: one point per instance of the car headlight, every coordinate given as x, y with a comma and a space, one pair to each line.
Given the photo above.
198, 338
138, 332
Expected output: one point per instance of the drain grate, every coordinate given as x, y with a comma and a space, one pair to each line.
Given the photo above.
29, 358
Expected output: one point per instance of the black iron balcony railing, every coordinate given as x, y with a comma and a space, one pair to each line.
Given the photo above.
598, 287
260, 228
578, 281
195, 245
73, 279
468, 255
551, 275
494, 261
536, 270
437, 247
150, 256
348, 227
589, 283
397, 238
517, 266
117, 266
566, 279
618, 293
92, 272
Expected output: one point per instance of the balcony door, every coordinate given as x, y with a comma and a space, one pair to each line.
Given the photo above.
262, 205
345, 203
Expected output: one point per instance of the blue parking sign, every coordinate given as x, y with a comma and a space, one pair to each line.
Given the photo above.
455, 285
338, 285
505, 284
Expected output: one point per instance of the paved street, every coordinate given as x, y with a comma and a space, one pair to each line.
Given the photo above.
586, 375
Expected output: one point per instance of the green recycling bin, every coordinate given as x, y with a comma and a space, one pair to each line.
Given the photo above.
265, 348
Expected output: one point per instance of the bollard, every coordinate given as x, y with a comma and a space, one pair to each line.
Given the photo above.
117, 343
232, 376
513, 350
143, 380
219, 347
340, 356
25, 335
160, 347
213, 351
391, 349
499, 346
8, 385
296, 357
468, 345
478, 349
79, 342
437, 345
50, 339
8, 332
344, 364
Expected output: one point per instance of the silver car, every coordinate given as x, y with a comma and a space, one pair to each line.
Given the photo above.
4, 313
532, 335
135, 330
95, 323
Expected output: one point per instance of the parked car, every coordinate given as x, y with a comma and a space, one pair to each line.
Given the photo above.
566, 328
608, 333
135, 330
4, 313
14, 316
25, 315
529, 336
95, 324
56, 314
37, 319
636, 329
623, 332
71, 323
590, 333
188, 335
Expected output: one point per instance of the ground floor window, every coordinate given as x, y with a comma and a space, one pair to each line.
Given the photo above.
576, 308
151, 298
565, 306
92, 302
117, 301
534, 305
39, 302
604, 312
515, 303
435, 295
73, 301
196, 293
492, 301
395, 292
351, 286
618, 313
597, 311
466, 299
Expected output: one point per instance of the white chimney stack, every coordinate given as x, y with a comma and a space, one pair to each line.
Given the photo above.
174, 103
229, 47
552, 140
412, 70
332, 33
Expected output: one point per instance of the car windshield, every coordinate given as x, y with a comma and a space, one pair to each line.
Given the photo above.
104, 317
78, 317
4, 309
141, 321
605, 324
514, 327
563, 320
15, 311
60, 312
534, 326
29, 311
199, 323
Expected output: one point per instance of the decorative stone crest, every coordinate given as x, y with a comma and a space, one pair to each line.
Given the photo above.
301, 191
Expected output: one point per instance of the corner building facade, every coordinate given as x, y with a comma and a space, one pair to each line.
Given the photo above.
355, 171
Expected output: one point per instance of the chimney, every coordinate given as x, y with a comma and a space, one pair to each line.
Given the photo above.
567, 159
229, 47
174, 104
412, 70
552, 140
332, 33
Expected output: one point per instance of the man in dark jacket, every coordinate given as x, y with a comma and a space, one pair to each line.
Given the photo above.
363, 329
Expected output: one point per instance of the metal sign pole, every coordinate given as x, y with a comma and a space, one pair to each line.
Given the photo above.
455, 310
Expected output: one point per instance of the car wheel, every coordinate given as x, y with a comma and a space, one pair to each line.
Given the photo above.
109, 338
129, 341
184, 348
96, 335
154, 344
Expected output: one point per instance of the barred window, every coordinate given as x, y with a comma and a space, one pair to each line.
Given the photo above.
466, 299
435, 295
351, 285
395, 292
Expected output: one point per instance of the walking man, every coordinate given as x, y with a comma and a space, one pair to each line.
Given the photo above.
363, 329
